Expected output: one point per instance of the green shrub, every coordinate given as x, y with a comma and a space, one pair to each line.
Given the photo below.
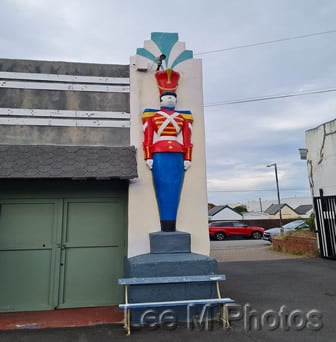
311, 222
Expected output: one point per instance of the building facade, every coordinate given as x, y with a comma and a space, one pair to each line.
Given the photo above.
65, 166
321, 166
76, 197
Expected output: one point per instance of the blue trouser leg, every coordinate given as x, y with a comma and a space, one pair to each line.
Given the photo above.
168, 175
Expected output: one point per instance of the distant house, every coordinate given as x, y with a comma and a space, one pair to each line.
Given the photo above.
255, 215
305, 210
294, 202
223, 212
287, 212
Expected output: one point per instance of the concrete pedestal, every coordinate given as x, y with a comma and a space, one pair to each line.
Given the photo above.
170, 255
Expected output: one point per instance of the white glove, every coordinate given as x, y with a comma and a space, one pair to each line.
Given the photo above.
149, 163
187, 164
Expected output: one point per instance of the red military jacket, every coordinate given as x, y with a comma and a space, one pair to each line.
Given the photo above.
167, 131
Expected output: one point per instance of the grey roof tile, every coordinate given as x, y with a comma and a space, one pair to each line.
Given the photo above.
35, 161
275, 208
213, 211
303, 209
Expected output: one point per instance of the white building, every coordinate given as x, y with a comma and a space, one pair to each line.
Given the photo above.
321, 158
223, 212
320, 154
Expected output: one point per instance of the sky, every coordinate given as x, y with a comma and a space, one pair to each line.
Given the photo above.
241, 138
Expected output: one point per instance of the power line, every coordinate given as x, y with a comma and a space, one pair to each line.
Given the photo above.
266, 42
271, 97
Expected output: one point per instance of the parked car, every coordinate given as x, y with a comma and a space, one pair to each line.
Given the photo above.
220, 230
291, 226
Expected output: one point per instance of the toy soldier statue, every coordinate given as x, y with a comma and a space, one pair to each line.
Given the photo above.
167, 147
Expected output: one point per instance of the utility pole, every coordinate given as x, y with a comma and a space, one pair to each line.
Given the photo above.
278, 191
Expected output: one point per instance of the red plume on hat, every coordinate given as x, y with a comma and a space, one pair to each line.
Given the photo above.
167, 80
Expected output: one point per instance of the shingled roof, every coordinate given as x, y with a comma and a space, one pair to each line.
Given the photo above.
275, 208
216, 209
303, 209
35, 161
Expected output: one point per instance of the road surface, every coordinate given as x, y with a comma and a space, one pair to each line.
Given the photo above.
245, 250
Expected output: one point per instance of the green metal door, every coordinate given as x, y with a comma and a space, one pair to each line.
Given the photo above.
57, 253
27, 253
92, 252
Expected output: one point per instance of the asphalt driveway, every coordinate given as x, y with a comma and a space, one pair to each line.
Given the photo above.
245, 250
290, 300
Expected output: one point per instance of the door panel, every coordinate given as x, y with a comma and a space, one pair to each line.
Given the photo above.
27, 256
92, 252
90, 277
25, 280
95, 221
26, 223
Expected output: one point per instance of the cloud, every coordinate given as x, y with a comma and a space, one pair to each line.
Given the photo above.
241, 139
238, 152
304, 114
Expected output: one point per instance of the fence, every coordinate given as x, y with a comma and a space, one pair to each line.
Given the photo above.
325, 211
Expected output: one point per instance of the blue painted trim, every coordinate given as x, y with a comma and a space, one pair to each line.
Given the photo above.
165, 43
178, 111
176, 303
145, 53
186, 54
184, 111
151, 110
179, 279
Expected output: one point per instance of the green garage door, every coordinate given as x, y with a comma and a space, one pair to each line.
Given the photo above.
58, 253
27, 254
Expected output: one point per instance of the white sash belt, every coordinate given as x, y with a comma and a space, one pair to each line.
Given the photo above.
169, 119
166, 137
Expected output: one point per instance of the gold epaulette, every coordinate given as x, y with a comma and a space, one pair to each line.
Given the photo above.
148, 114
187, 117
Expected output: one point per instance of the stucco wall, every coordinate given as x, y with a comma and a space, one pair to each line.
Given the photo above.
321, 158
193, 209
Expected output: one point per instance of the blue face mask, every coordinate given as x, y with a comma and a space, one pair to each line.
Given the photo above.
168, 108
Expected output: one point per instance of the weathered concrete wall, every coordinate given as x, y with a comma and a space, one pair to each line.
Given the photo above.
79, 136
69, 100
321, 158
64, 100
64, 68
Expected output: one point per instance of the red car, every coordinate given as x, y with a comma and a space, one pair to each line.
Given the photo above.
220, 230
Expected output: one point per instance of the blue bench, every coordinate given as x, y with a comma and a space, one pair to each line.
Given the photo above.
166, 280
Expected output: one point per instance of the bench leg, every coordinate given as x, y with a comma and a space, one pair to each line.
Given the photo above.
223, 315
127, 321
127, 314
226, 322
